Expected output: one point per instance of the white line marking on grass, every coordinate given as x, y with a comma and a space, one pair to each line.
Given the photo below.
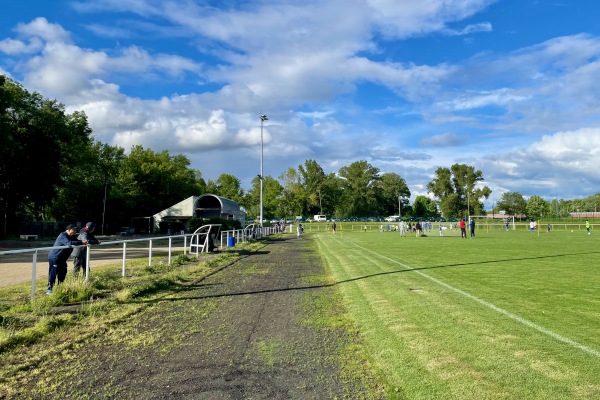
502, 311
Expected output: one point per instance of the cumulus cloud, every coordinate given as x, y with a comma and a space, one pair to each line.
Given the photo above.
287, 60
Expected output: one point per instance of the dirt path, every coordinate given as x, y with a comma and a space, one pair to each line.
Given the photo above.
244, 332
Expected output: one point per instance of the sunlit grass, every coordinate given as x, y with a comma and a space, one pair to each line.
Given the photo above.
506, 315
24, 321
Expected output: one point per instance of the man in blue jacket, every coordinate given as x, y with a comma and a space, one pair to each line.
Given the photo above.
80, 253
57, 258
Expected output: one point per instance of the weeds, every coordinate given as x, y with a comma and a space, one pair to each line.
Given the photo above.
25, 321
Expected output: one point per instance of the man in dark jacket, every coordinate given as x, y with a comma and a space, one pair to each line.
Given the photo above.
57, 258
80, 253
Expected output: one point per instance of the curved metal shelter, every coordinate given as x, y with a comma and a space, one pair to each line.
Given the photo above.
213, 206
207, 206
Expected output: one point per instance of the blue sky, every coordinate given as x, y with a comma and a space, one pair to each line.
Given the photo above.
510, 87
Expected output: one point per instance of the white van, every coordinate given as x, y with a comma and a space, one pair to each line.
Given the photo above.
320, 218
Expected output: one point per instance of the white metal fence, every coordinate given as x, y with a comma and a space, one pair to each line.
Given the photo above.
174, 243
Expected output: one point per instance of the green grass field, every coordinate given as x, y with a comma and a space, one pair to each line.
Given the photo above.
507, 315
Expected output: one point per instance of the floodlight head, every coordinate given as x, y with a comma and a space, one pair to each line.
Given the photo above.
264, 118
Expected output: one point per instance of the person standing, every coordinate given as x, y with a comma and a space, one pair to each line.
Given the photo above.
402, 228
57, 258
463, 228
334, 227
587, 226
472, 227
80, 253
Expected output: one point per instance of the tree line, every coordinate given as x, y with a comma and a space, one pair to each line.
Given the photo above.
53, 169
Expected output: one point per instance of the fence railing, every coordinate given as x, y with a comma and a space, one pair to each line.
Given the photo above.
240, 235
341, 226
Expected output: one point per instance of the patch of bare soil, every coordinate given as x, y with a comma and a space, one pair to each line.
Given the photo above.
244, 332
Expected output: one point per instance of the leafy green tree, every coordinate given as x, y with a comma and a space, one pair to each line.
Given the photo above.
39, 145
293, 195
313, 178
150, 182
537, 207
457, 190
423, 206
272, 192
86, 193
513, 203
332, 195
212, 187
391, 189
228, 186
359, 181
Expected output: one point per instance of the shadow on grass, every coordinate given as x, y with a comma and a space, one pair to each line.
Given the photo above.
197, 285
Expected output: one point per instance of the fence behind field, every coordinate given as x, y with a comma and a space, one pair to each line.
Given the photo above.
481, 224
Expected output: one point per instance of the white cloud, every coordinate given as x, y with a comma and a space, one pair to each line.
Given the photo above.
44, 30
12, 46
404, 18
302, 63
482, 27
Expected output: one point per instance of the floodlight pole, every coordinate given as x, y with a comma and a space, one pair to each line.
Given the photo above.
263, 118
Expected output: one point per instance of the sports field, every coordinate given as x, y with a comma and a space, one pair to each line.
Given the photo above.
507, 315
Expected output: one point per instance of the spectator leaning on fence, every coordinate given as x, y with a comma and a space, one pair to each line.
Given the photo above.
80, 253
57, 258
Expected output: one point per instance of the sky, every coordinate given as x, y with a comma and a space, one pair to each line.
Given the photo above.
510, 87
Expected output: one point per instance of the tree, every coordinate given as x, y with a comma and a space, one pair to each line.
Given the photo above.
293, 194
358, 182
272, 192
513, 203
423, 206
228, 186
391, 189
332, 195
40, 144
149, 182
313, 179
537, 207
86, 193
457, 190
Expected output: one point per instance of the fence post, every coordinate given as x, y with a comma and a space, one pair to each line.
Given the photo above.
169, 262
87, 263
150, 253
33, 274
124, 258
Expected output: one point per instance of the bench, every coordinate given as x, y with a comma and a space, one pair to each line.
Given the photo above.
29, 237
